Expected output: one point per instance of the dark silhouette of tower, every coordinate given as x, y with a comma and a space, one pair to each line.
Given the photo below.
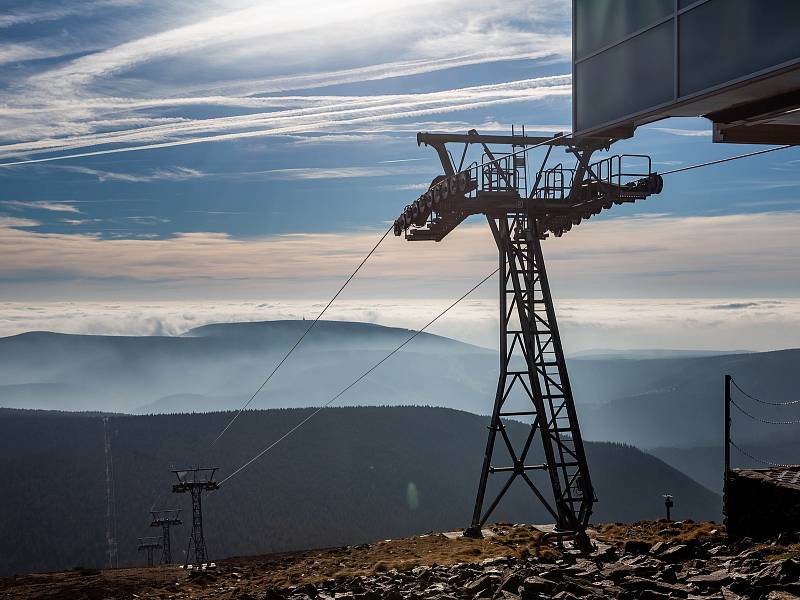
165, 519
523, 209
196, 481
149, 544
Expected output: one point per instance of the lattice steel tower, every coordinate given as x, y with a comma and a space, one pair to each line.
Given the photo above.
532, 365
166, 519
196, 481
149, 545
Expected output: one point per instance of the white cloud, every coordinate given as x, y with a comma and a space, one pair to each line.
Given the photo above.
56, 10
410, 187
352, 111
683, 132
735, 256
21, 52
622, 323
168, 174
278, 18
337, 172
11, 223
41, 205
87, 101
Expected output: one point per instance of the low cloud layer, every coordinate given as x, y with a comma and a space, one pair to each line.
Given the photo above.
746, 324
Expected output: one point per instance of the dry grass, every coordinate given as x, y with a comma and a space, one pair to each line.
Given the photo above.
778, 551
659, 531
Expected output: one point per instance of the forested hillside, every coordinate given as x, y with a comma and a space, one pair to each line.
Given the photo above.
350, 475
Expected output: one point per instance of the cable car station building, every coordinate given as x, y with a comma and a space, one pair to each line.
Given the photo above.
735, 62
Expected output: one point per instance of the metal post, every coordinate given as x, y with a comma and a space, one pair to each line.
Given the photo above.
727, 444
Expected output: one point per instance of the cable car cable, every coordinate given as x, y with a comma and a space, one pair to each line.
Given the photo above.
357, 380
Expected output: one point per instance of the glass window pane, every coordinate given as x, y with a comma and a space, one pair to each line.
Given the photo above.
600, 22
723, 40
626, 79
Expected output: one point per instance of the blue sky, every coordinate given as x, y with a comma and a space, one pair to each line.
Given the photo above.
189, 152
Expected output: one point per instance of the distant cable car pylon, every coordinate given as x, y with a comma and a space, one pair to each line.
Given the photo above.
196, 481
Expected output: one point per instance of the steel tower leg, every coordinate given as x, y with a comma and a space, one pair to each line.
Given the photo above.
532, 361
196, 538
166, 551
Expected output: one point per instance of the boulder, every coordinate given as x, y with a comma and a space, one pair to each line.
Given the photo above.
534, 586
676, 553
714, 580
637, 547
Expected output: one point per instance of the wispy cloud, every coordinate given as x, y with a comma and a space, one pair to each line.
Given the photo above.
401, 160
683, 132
11, 223
37, 12
411, 187
22, 52
354, 111
168, 174
337, 172
42, 205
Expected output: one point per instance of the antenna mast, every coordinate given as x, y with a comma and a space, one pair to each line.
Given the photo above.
111, 508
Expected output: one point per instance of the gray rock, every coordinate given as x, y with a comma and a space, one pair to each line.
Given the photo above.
780, 571
580, 589
642, 585
616, 572
781, 595
533, 586
716, 580
659, 547
676, 553
637, 547
483, 582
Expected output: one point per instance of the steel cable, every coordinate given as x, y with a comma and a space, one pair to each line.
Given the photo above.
358, 379
300, 339
728, 159
789, 403
767, 421
755, 458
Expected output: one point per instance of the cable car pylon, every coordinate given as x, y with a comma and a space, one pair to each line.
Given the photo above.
532, 363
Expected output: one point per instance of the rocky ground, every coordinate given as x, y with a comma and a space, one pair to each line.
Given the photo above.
653, 559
